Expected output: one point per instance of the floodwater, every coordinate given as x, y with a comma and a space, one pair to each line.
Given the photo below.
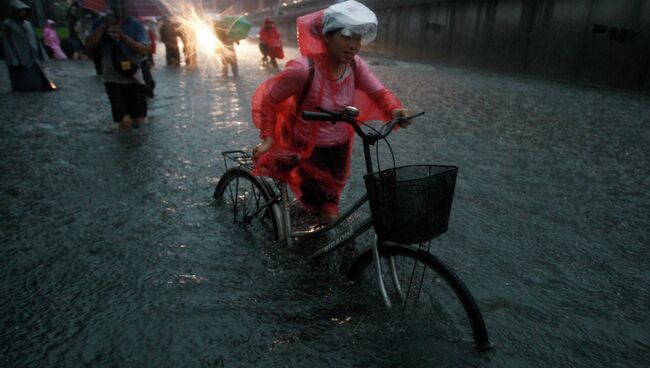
112, 253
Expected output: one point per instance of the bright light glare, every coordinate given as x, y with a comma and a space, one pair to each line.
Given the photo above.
205, 37
198, 28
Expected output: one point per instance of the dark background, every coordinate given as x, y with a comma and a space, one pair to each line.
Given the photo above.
603, 42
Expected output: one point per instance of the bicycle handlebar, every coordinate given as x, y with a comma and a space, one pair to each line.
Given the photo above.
334, 117
318, 116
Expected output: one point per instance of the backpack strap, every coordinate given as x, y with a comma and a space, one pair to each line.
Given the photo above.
310, 79
353, 65
307, 87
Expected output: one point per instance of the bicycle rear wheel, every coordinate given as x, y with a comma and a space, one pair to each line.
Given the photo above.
421, 286
251, 202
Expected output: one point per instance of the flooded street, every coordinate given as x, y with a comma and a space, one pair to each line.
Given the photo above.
113, 254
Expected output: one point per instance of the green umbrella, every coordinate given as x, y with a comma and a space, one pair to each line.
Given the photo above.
236, 27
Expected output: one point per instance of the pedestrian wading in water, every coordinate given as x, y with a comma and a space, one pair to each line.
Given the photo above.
23, 53
123, 42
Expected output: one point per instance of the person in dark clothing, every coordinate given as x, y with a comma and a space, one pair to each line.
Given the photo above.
96, 55
147, 63
23, 53
189, 47
149, 82
169, 33
73, 15
123, 42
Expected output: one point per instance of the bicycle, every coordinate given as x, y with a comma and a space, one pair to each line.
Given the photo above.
405, 275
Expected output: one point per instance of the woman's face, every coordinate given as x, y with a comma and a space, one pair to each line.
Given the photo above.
342, 48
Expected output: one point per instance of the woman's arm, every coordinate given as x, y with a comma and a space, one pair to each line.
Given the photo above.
383, 97
142, 48
368, 82
140, 42
289, 82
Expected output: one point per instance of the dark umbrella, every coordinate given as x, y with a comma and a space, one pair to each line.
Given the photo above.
137, 8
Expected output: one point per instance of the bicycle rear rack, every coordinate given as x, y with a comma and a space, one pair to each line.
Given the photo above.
239, 158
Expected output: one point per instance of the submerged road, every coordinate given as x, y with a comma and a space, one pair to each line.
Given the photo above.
112, 253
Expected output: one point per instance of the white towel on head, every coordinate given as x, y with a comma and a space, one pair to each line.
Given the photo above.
351, 17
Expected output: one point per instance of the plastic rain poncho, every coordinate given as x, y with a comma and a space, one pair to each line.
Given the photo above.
51, 40
276, 114
270, 36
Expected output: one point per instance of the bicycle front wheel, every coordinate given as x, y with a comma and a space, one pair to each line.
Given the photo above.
421, 286
251, 202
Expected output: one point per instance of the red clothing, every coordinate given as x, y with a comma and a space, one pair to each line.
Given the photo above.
331, 95
275, 113
270, 36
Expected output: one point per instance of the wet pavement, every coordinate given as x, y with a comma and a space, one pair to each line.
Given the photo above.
112, 253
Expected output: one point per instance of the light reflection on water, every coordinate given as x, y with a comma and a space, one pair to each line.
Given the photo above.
114, 254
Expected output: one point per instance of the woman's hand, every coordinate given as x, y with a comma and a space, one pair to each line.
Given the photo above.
116, 32
402, 113
266, 145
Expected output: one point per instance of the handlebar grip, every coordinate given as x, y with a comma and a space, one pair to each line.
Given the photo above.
320, 116
415, 115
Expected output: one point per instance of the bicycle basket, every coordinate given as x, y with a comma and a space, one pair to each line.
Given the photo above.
411, 204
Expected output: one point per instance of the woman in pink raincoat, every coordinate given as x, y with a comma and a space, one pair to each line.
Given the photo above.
51, 40
314, 157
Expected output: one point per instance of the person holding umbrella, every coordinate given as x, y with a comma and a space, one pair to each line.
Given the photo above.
227, 51
230, 30
123, 43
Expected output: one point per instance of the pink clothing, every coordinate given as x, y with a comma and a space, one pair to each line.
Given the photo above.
331, 95
314, 156
51, 40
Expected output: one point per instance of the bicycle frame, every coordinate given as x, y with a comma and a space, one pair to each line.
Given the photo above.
356, 230
286, 233
278, 205
285, 230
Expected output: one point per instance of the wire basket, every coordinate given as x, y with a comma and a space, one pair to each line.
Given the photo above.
411, 204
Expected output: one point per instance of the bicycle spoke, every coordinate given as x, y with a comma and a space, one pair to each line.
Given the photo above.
427, 291
249, 203
410, 284
236, 200
393, 273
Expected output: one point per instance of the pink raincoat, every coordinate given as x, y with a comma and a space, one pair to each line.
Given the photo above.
51, 40
275, 113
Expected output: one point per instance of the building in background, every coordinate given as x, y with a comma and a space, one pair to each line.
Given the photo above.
252, 6
602, 42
